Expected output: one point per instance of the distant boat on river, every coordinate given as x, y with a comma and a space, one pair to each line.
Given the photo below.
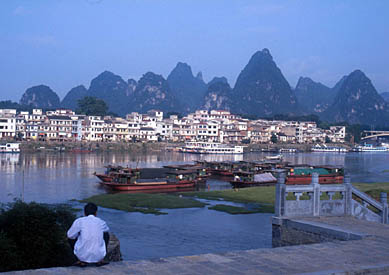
10, 148
329, 149
370, 148
200, 147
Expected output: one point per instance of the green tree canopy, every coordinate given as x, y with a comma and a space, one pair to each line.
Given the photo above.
92, 106
274, 138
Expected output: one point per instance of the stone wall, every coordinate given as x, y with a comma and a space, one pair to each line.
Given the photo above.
287, 232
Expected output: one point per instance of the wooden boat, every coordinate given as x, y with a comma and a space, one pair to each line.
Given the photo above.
307, 179
151, 184
103, 177
112, 170
250, 179
199, 170
158, 179
303, 175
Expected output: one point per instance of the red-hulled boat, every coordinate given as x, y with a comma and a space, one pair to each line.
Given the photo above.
130, 180
249, 179
104, 178
149, 185
111, 171
302, 175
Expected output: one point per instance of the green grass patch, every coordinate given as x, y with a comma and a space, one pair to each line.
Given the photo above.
143, 203
261, 195
373, 189
233, 209
385, 171
242, 210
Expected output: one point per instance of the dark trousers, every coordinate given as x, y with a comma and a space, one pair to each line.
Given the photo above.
72, 243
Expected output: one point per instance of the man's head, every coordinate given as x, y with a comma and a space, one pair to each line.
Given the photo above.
90, 209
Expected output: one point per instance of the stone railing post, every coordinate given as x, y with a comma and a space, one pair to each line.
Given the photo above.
280, 195
384, 201
316, 194
348, 195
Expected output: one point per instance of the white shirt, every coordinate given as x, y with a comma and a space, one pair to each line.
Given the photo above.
90, 245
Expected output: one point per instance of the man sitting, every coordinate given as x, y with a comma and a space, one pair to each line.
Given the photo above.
89, 236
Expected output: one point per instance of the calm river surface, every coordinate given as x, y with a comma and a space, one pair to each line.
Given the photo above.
61, 177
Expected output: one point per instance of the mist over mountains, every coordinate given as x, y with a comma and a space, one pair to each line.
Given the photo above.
261, 90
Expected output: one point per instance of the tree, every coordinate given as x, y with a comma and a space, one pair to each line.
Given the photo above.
274, 138
328, 140
92, 106
34, 236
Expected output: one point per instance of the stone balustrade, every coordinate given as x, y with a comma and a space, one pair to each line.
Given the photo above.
327, 200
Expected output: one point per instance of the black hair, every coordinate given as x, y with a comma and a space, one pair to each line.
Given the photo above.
90, 209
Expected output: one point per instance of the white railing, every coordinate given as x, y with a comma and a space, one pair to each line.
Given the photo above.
327, 200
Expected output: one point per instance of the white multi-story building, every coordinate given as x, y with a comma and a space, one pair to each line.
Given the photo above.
93, 128
215, 125
7, 126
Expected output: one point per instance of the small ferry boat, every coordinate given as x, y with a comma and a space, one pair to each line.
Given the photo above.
370, 148
210, 148
325, 148
10, 148
274, 157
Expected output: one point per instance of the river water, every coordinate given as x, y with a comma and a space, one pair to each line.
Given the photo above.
61, 177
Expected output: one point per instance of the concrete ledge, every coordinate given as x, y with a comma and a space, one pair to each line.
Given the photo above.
368, 269
325, 229
359, 255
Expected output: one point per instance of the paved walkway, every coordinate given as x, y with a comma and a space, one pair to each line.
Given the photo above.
368, 255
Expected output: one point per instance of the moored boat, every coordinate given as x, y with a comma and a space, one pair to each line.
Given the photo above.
250, 179
200, 147
303, 175
111, 170
274, 157
162, 179
149, 184
370, 148
328, 149
10, 148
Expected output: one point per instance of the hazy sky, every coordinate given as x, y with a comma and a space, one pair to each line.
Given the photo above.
64, 43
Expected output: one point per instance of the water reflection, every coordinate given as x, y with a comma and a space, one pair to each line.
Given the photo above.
58, 177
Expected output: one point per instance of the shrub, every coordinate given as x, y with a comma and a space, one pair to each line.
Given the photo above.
34, 236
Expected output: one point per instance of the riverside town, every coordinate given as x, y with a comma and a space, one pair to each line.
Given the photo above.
210, 126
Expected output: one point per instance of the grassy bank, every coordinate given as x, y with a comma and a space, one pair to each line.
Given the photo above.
258, 199
144, 203
242, 210
262, 195
373, 189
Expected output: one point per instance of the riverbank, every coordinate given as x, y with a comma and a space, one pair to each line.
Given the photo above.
143, 203
89, 146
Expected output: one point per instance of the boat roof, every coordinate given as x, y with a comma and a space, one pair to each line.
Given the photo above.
182, 172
